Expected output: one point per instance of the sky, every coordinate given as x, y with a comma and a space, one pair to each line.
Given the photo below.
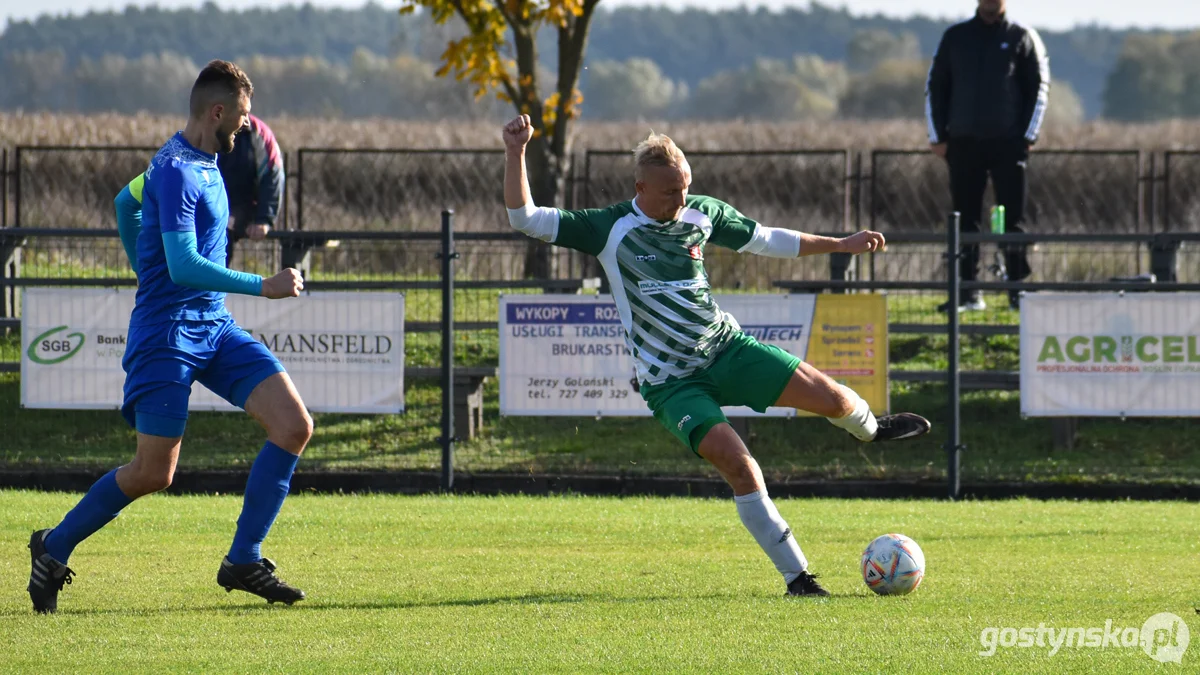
1047, 14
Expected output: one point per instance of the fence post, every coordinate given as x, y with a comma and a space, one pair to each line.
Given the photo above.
300, 189
283, 218
954, 446
10, 253
1166, 193
841, 264
447, 439
1163, 263
15, 177
1152, 193
859, 196
1142, 200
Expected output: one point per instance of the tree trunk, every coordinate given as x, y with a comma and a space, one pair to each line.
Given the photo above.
547, 175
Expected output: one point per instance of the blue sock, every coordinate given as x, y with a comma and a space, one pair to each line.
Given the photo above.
270, 478
98, 507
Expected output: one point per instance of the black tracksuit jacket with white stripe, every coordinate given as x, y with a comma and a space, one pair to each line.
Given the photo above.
987, 81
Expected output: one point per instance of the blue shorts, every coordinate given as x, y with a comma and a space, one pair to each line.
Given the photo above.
163, 360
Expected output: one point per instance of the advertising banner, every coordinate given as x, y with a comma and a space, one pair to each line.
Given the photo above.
566, 355
1110, 354
344, 351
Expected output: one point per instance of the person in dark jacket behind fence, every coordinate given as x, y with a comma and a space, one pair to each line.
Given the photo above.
253, 175
985, 102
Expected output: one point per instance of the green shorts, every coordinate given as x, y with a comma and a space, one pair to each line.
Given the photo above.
746, 372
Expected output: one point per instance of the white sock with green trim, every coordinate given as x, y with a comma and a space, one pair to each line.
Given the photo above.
760, 516
861, 422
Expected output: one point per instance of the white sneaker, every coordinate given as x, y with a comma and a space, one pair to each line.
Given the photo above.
973, 305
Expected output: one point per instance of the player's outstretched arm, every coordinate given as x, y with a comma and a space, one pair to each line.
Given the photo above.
188, 268
517, 135
179, 192
778, 242
865, 241
523, 214
734, 231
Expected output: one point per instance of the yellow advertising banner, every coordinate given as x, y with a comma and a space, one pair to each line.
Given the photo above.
849, 343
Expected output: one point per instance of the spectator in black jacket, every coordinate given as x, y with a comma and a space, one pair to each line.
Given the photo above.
985, 101
253, 175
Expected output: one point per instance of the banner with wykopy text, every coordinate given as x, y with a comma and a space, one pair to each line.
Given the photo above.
566, 355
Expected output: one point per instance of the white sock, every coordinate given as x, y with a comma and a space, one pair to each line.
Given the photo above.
861, 422
761, 517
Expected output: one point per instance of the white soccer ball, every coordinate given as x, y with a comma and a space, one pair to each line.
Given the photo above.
893, 564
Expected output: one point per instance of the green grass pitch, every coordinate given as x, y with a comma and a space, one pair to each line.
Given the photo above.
574, 584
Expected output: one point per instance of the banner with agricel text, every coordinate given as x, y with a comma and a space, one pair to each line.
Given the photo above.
1110, 354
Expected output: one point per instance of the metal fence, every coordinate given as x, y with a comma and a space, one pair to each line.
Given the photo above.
404, 262
1181, 191
1069, 191
72, 187
452, 368
1118, 191
805, 189
982, 353
396, 190
369, 221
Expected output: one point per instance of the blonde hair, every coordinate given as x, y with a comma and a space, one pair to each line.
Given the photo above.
656, 150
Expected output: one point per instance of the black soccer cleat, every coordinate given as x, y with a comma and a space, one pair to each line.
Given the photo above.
806, 586
47, 576
257, 578
900, 427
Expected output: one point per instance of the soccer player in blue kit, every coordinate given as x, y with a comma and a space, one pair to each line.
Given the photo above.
180, 333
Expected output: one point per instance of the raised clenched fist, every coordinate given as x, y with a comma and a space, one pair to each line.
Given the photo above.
518, 132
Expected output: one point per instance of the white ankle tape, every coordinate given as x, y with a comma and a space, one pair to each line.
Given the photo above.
860, 422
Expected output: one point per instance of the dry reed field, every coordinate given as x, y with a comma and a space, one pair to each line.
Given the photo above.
811, 182
113, 129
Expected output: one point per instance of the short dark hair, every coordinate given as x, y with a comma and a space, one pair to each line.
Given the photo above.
220, 81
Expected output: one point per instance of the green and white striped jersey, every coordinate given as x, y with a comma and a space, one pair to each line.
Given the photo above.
656, 271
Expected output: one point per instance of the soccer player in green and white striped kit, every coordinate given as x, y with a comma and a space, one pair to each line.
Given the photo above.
691, 357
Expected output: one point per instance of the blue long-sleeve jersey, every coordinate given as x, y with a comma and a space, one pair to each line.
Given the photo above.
180, 253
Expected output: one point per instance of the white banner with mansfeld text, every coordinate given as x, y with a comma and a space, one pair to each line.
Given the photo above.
344, 351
